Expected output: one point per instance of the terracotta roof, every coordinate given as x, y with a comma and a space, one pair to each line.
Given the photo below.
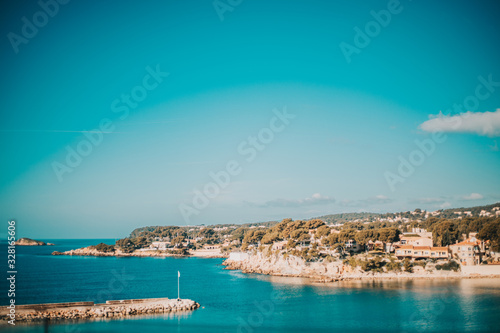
468, 242
413, 237
411, 247
439, 248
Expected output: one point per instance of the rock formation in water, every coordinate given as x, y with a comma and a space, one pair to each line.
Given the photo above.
30, 242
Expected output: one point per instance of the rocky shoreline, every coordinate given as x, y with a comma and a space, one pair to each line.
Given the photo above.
111, 309
91, 251
293, 266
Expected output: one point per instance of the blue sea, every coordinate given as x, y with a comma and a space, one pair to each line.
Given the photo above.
235, 302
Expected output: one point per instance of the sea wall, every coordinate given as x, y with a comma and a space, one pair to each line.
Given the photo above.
89, 310
481, 270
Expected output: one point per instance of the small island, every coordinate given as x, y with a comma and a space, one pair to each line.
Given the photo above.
31, 242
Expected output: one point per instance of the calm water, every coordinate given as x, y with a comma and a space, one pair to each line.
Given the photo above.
236, 302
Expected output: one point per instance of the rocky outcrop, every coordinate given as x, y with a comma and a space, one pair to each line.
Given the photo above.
31, 242
289, 266
112, 309
92, 251
279, 265
88, 251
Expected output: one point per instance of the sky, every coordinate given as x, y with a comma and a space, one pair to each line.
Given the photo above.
122, 114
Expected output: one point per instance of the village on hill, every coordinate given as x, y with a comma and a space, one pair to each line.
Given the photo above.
440, 240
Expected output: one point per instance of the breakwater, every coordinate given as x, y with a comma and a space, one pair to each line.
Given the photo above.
89, 310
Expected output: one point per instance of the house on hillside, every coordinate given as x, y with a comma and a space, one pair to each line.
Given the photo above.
279, 245
352, 246
415, 240
421, 232
470, 251
159, 245
422, 252
377, 245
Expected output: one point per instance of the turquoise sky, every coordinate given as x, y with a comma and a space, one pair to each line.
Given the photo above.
355, 117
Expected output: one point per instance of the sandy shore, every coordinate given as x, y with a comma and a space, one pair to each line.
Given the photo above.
202, 253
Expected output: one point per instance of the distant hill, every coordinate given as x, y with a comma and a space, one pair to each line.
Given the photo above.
257, 224
475, 211
416, 215
347, 217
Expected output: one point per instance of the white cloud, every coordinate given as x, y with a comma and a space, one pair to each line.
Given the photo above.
472, 196
481, 123
315, 199
376, 200
424, 201
445, 205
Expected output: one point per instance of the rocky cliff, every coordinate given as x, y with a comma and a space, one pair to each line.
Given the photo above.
277, 264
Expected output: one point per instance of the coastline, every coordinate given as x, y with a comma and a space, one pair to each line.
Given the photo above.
325, 272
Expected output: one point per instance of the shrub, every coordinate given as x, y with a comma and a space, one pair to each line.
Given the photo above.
408, 265
420, 263
366, 265
393, 266
291, 244
452, 265
329, 258
101, 247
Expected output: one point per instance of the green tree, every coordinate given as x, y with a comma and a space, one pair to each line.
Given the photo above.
253, 236
299, 234
101, 247
314, 224
177, 241
323, 231
238, 234
445, 232
346, 235
126, 245
491, 231
270, 238
331, 240
408, 265
389, 235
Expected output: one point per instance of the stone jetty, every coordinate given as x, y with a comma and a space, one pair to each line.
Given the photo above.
89, 310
